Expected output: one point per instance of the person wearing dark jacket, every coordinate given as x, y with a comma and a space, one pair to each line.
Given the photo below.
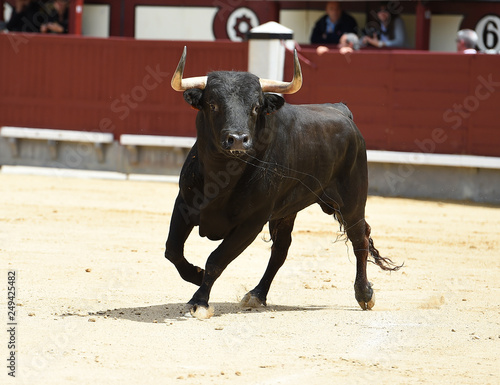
333, 25
387, 29
57, 20
24, 17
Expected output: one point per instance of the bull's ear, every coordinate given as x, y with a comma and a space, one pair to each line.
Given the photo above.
193, 97
272, 103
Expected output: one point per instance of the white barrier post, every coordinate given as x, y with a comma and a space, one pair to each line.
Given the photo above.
266, 56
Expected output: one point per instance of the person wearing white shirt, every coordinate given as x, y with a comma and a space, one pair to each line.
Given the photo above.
466, 41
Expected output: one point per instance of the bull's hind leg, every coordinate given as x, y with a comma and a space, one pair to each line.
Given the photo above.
358, 231
359, 234
181, 226
281, 235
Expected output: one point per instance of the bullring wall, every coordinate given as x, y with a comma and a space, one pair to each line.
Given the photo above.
402, 100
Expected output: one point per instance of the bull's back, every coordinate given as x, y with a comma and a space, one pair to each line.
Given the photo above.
333, 108
320, 146
335, 118
319, 131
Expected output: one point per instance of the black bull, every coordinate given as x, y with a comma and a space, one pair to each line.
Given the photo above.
258, 159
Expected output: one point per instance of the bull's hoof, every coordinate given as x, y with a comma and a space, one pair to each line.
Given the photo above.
200, 311
364, 295
251, 300
368, 305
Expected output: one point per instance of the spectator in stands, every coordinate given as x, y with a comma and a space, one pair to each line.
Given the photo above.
466, 41
333, 25
386, 30
25, 16
57, 20
348, 43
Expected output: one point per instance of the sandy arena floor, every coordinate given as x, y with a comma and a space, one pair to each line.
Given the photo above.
99, 304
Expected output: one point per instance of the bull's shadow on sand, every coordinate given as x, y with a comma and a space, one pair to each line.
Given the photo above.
180, 312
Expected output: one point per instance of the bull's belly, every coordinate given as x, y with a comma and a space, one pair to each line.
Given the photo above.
285, 209
214, 227
217, 221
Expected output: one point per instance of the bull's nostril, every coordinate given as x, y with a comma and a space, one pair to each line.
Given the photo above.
237, 142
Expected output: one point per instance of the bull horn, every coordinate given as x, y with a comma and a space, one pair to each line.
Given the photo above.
180, 84
285, 87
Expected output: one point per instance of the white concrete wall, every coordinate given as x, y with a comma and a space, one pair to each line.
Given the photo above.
96, 20
174, 23
410, 28
444, 30
301, 22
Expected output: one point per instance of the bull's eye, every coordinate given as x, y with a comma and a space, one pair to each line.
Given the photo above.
213, 107
255, 110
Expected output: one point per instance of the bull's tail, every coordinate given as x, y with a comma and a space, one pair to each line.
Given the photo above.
383, 263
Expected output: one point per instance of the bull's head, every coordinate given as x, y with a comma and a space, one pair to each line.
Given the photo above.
234, 103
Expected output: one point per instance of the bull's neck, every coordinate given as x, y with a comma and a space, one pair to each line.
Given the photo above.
220, 169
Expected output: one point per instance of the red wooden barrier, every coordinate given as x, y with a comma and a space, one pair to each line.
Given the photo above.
105, 85
401, 100
411, 100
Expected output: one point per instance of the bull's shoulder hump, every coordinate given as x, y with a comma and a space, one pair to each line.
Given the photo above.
339, 109
342, 108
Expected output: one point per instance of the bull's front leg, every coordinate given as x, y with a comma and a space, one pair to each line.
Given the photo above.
281, 235
181, 225
232, 246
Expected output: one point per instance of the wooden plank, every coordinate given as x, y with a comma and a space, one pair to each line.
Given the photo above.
424, 141
424, 100
412, 61
431, 81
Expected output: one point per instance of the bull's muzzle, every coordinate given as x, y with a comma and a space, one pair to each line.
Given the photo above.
237, 143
